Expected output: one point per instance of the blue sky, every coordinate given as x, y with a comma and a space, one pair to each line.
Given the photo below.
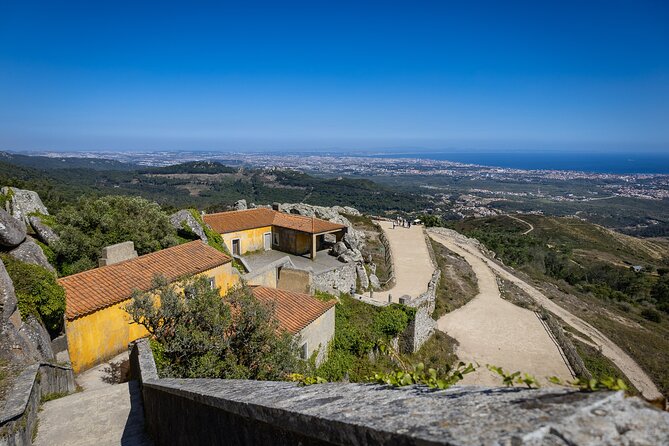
587, 75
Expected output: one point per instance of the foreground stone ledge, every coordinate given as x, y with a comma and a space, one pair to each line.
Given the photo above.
209, 411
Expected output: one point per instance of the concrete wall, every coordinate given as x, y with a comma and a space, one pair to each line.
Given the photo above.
101, 335
297, 280
18, 419
318, 335
293, 242
267, 277
250, 240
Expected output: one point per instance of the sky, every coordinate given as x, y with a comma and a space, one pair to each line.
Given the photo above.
325, 75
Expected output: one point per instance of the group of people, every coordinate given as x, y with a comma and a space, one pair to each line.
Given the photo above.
401, 222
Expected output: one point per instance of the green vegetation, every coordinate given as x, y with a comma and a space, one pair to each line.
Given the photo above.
196, 334
457, 285
214, 239
91, 224
420, 375
599, 365
37, 292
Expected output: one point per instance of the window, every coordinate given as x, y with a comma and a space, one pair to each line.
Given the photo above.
236, 247
212, 283
304, 351
275, 238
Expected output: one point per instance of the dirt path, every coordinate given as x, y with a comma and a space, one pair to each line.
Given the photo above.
522, 221
411, 261
493, 331
627, 365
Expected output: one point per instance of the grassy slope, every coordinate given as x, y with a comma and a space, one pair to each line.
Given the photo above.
457, 285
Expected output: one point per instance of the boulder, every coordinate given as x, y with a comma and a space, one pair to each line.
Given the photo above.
362, 276
38, 337
12, 231
240, 205
21, 203
44, 233
30, 252
7, 295
185, 218
354, 239
374, 281
338, 249
353, 255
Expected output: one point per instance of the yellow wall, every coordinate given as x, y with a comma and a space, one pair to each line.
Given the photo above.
101, 335
250, 240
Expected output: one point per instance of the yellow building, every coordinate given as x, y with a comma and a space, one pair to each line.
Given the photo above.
96, 324
264, 229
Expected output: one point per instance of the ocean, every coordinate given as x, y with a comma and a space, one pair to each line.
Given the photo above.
618, 163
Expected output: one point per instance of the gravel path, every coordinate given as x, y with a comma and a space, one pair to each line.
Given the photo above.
411, 261
627, 365
493, 331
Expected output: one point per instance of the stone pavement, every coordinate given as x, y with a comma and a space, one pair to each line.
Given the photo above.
102, 414
411, 261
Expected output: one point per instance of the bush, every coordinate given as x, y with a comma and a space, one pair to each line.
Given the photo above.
651, 315
38, 293
198, 334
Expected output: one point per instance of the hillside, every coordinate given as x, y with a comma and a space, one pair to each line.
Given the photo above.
207, 185
590, 271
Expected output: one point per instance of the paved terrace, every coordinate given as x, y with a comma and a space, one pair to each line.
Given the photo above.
323, 261
411, 260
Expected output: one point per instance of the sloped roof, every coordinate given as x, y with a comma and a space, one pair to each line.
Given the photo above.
231, 221
294, 311
98, 288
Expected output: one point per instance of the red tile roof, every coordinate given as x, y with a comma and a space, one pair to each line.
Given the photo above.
224, 222
92, 290
293, 310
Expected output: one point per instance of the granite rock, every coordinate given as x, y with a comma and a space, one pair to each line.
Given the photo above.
240, 205
31, 252
362, 276
184, 217
22, 203
12, 231
44, 233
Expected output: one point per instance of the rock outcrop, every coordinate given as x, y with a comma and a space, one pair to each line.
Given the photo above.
31, 252
21, 203
240, 205
20, 342
374, 281
362, 276
44, 233
185, 218
12, 231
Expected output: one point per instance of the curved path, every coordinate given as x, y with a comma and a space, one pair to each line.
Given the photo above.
627, 365
411, 261
531, 226
491, 330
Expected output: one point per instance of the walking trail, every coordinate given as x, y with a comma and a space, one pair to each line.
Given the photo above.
491, 330
531, 226
627, 365
102, 414
411, 261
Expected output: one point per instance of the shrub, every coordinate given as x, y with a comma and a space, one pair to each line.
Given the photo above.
198, 334
38, 293
651, 315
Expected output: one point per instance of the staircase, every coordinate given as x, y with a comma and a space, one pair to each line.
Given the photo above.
103, 414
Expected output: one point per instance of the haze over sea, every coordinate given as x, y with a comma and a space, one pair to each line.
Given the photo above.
619, 163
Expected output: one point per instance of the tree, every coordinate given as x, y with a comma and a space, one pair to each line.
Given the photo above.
199, 334
93, 223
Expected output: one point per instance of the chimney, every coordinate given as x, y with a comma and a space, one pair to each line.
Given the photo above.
117, 253
276, 206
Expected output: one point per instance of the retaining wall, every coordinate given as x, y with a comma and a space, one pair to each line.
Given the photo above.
240, 412
18, 421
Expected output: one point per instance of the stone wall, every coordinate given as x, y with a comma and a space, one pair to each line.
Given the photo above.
337, 280
421, 328
19, 415
567, 347
297, 280
240, 412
